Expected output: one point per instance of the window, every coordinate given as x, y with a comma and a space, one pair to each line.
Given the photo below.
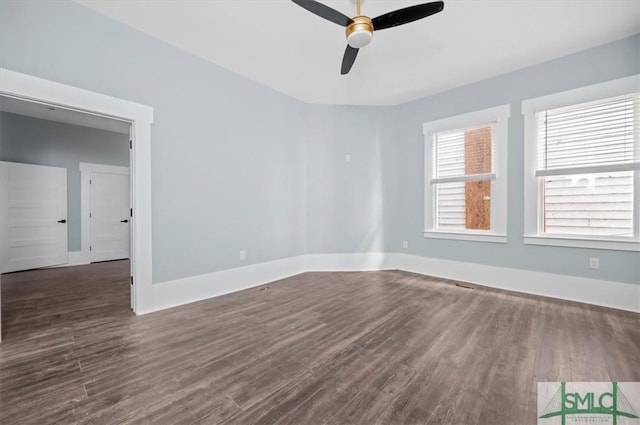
583, 153
465, 166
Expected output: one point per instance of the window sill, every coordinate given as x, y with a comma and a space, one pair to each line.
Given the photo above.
466, 236
577, 242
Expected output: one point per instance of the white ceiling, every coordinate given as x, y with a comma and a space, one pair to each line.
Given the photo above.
285, 47
68, 116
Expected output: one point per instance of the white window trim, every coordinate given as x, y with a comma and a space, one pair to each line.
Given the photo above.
532, 189
499, 114
469, 235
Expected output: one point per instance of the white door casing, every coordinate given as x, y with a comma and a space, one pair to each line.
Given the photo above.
109, 216
36, 89
33, 216
132, 298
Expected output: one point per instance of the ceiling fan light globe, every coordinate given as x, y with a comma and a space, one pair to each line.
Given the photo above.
359, 38
359, 32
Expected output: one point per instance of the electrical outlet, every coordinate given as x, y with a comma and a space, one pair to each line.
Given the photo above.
347, 158
594, 263
243, 255
405, 244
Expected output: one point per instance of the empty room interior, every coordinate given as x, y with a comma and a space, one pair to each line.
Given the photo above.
320, 212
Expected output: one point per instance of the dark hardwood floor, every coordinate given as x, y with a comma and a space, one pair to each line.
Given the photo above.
319, 348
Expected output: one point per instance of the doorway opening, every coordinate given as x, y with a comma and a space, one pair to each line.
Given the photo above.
138, 118
57, 209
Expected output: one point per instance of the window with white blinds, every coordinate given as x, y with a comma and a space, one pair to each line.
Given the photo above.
464, 152
463, 168
594, 136
582, 167
465, 190
587, 155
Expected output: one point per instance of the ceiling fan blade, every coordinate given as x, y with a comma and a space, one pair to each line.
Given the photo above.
348, 59
406, 15
324, 11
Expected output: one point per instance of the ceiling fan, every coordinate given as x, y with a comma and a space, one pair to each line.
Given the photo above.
359, 29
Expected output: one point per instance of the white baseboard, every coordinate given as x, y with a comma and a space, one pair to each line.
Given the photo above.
619, 295
350, 262
76, 258
196, 288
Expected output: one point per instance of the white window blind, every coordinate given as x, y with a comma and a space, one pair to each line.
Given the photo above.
451, 153
587, 155
595, 137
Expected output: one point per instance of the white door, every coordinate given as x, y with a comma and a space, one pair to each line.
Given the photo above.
33, 215
109, 216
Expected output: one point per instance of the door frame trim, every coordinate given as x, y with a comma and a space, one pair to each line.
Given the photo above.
86, 168
28, 87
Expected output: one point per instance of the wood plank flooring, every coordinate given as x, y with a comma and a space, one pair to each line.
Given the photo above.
383, 347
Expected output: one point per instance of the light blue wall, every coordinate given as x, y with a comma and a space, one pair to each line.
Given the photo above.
35, 141
350, 205
227, 153
236, 165
611, 61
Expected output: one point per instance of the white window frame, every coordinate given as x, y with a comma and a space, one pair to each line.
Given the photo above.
533, 203
498, 233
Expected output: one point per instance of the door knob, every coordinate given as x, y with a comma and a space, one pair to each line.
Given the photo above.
124, 221
62, 221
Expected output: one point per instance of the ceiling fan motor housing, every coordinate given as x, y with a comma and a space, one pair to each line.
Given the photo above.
359, 32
